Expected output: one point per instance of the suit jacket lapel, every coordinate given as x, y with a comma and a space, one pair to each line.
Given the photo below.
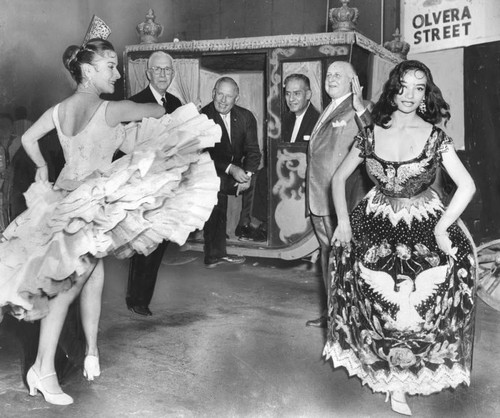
235, 126
339, 110
151, 96
305, 123
300, 133
225, 134
320, 123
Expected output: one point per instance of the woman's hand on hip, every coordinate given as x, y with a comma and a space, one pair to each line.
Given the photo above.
445, 245
42, 174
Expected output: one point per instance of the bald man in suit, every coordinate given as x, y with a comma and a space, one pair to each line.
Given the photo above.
236, 158
331, 139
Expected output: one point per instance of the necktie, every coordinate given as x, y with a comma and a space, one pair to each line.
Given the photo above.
226, 120
164, 101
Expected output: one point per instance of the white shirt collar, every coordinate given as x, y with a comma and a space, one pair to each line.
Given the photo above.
341, 99
299, 118
157, 95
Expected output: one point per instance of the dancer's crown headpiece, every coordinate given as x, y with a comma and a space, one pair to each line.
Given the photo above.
97, 29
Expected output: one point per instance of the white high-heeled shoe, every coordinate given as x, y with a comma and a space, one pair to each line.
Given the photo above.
35, 383
401, 407
91, 367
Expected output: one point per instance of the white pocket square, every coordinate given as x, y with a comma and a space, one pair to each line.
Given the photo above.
339, 123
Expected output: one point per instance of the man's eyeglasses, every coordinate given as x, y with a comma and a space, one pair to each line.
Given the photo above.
159, 70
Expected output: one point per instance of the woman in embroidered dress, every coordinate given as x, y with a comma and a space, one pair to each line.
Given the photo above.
164, 188
401, 301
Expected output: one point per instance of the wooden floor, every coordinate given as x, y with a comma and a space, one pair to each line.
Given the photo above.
231, 342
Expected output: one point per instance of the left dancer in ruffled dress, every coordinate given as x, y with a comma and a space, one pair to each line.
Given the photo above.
53, 251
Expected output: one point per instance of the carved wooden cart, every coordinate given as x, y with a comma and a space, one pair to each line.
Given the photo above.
259, 65
489, 273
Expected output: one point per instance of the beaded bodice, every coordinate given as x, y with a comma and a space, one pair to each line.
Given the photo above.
404, 179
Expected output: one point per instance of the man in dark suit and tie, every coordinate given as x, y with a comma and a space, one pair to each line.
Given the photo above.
299, 122
236, 158
160, 73
331, 139
144, 269
297, 126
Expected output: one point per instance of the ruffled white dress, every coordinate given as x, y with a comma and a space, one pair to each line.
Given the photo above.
164, 188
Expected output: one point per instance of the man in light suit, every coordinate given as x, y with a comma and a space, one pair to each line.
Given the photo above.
331, 140
144, 269
236, 158
300, 121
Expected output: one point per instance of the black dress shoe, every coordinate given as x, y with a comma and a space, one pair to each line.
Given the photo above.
244, 232
230, 259
259, 235
140, 310
320, 322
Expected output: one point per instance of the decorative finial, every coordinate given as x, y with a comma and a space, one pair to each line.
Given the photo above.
149, 31
344, 18
397, 46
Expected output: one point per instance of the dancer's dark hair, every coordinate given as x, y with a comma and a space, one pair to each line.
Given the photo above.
436, 108
75, 56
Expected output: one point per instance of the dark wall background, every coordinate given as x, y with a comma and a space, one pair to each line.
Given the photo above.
35, 33
482, 124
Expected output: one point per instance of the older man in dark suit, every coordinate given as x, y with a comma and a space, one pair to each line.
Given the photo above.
144, 269
331, 139
236, 158
160, 73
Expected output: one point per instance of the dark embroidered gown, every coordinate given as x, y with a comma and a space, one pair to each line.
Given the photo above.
401, 312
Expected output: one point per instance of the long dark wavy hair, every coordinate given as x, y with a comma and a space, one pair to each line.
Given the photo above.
437, 108
75, 56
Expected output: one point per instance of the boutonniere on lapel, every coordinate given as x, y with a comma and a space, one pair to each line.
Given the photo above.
339, 123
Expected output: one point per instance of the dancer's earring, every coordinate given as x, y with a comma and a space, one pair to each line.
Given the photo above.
422, 107
86, 82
